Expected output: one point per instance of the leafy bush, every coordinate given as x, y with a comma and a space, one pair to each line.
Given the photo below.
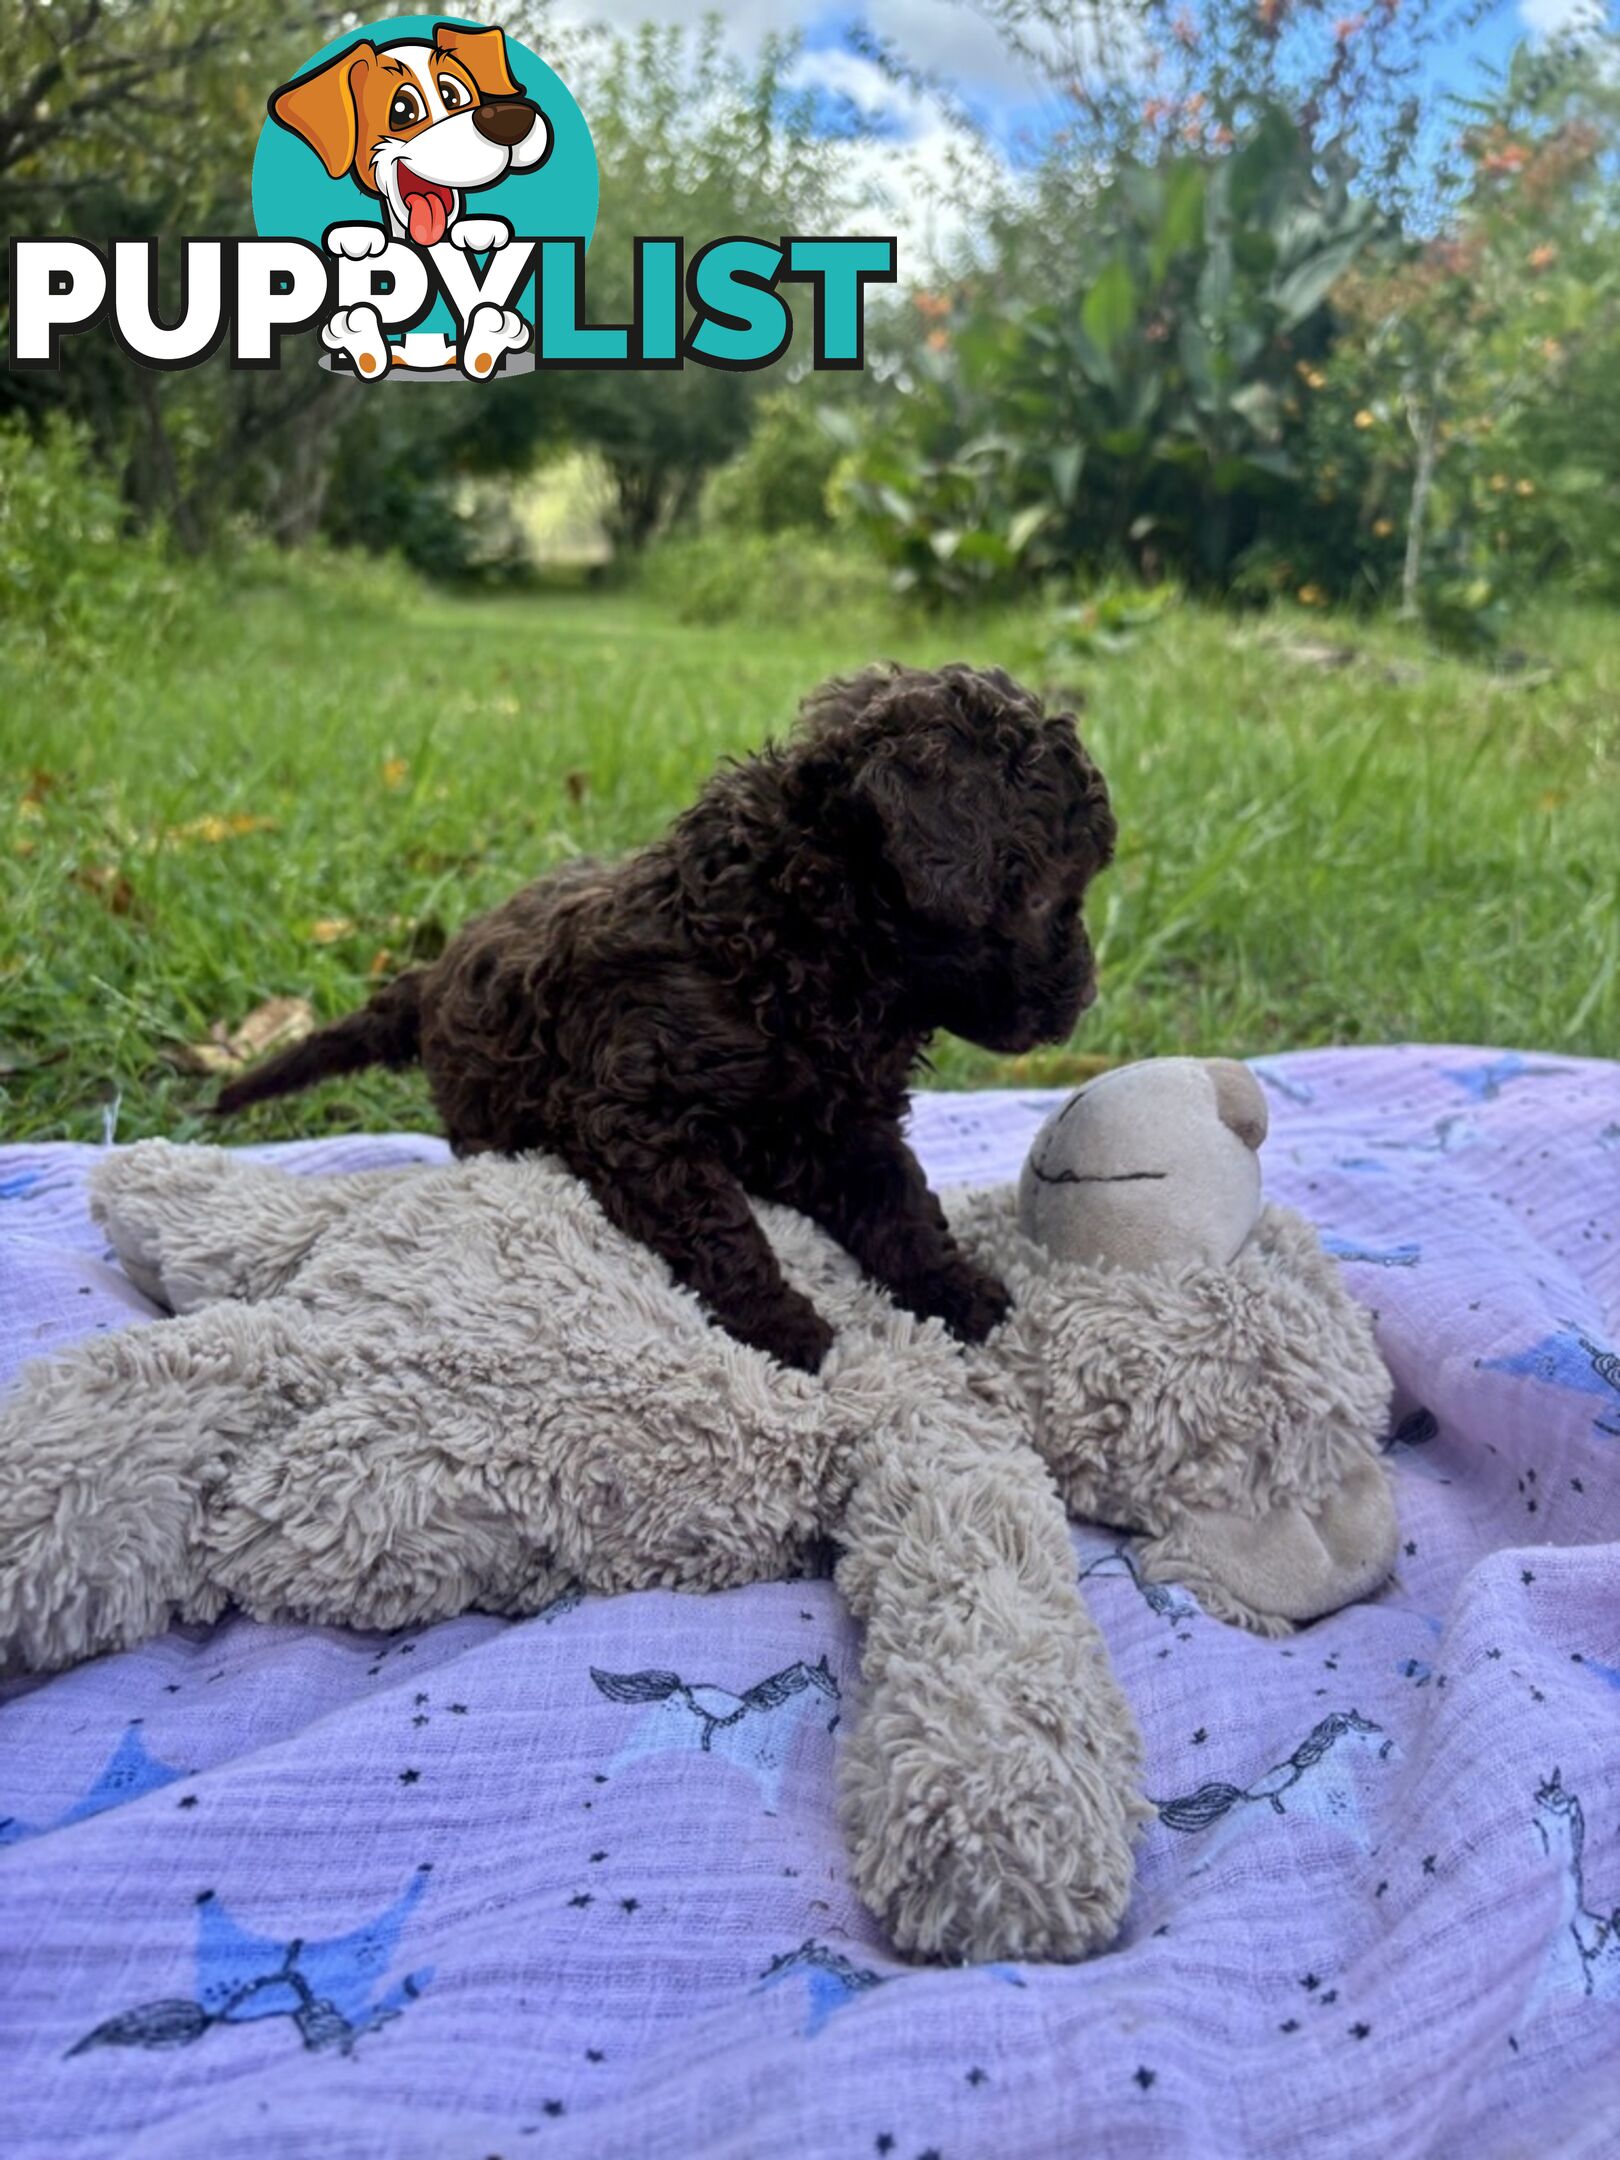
1139, 414
758, 578
71, 574
780, 482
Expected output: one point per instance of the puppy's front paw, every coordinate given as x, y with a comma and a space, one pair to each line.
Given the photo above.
971, 1304
794, 1334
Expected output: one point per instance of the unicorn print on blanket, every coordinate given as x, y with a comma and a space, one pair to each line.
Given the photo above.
1570, 1359
753, 1731
1166, 1599
1320, 1781
128, 1772
1583, 1957
324, 1986
831, 1979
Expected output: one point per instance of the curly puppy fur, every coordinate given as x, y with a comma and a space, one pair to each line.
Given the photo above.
736, 1008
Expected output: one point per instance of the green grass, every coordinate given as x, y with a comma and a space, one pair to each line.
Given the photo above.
1403, 848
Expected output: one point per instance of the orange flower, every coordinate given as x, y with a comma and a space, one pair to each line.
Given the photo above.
1365, 420
938, 340
1543, 257
1312, 596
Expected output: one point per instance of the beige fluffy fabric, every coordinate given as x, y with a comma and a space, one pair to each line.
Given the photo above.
394, 1396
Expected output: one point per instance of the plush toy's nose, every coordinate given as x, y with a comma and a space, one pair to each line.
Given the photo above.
505, 120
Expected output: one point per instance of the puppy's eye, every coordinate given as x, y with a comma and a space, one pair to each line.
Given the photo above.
405, 110
453, 92
1038, 903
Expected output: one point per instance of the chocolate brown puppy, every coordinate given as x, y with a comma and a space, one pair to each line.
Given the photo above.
736, 1008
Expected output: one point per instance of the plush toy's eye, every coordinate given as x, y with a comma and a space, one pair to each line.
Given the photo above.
454, 92
1038, 903
406, 109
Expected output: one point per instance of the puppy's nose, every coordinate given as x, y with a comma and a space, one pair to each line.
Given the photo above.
505, 120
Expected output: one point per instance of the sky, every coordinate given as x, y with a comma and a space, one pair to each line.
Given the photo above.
948, 39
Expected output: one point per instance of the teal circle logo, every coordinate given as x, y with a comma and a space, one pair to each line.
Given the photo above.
424, 128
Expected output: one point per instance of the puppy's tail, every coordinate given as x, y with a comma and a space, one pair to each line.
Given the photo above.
385, 1032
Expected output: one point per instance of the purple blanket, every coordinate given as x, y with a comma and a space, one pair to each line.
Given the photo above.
575, 1886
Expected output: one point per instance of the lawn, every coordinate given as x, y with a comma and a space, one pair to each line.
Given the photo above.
291, 795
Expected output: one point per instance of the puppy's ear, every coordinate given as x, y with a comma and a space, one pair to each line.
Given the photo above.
323, 107
930, 799
483, 54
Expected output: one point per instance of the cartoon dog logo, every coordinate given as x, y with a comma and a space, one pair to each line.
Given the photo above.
420, 124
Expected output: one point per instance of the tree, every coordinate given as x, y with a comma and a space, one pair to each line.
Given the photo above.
690, 140
122, 122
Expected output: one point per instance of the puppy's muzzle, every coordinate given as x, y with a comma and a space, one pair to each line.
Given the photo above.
505, 120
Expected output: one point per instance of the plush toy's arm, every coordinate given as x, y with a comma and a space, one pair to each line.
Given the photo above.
989, 1787
107, 1456
194, 1224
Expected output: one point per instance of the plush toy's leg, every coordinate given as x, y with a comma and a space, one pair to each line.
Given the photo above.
192, 1224
106, 1455
1270, 1573
990, 1787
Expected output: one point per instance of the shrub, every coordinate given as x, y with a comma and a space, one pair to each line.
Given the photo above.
71, 573
1141, 411
780, 481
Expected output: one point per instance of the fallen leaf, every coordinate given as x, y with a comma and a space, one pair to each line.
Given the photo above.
381, 961
331, 928
394, 772
110, 886
1304, 653
270, 1026
213, 829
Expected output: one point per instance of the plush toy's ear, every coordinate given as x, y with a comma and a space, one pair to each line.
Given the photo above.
929, 797
1240, 1101
483, 54
323, 107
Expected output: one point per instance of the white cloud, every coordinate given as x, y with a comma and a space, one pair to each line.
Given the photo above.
1553, 18
906, 178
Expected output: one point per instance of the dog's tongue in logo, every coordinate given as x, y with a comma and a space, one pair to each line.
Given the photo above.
427, 206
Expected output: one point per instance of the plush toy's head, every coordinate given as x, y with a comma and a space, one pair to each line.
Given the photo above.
1151, 1164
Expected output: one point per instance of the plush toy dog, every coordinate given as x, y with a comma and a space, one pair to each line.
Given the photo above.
393, 1396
